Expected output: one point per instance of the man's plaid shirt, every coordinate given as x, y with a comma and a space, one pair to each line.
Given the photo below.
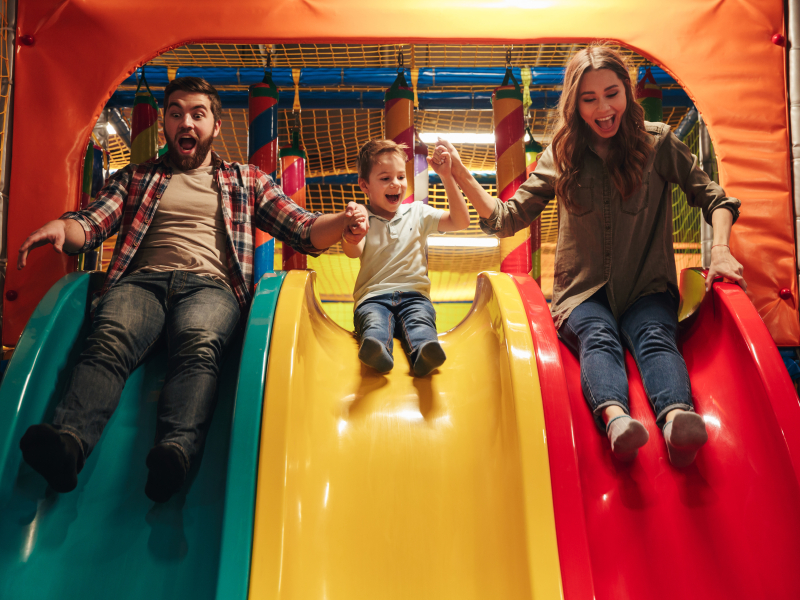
250, 198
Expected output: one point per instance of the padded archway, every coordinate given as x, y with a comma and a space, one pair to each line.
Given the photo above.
721, 53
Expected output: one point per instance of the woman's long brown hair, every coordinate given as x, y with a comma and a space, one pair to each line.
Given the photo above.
629, 148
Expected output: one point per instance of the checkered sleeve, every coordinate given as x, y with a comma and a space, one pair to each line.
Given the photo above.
101, 219
278, 215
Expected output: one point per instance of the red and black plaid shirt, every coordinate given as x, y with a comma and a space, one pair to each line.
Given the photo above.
250, 198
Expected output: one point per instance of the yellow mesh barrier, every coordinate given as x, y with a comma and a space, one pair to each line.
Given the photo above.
374, 55
332, 139
686, 219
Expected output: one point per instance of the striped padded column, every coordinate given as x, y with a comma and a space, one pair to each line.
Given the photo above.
262, 151
293, 182
399, 124
92, 184
509, 127
144, 125
420, 171
532, 151
650, 96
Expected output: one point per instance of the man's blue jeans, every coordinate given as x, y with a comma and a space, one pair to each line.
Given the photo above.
649, 330
198, 317
409, 316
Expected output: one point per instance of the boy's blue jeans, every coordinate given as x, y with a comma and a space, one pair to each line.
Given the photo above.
649, 330
409, 316
198, 317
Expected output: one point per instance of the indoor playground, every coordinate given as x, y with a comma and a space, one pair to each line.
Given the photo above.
321, 478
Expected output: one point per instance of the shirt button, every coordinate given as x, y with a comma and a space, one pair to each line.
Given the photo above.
608, 227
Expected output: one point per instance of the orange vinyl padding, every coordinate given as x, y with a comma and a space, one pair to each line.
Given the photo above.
720, 52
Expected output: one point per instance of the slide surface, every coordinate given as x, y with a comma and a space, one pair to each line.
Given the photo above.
727, 527
106, 539
392, 486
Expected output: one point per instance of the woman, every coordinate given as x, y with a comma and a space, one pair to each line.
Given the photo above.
615, 276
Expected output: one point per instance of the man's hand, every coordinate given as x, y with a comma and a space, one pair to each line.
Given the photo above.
54, 232
357, 223
723, 264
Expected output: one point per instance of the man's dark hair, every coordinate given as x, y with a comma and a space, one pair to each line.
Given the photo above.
195, 85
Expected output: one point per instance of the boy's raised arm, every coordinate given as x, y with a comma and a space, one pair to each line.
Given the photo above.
484, 203
457, 218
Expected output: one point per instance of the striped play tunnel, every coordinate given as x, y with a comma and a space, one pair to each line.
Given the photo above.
532, 151
262, 151
399, 118
420, 171
509, 128
144, 125
293, 182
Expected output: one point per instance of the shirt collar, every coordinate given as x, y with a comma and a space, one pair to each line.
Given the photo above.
404, 208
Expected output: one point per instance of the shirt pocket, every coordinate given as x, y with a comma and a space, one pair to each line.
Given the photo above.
636, 203
585, 196
240, 205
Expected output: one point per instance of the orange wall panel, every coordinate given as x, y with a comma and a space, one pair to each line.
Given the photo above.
721, 52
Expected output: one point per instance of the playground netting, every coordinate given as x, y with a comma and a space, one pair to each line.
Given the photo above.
332, 138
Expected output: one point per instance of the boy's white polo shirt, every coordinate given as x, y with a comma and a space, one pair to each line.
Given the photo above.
395, 256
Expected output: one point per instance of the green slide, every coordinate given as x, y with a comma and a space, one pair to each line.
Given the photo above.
106, 539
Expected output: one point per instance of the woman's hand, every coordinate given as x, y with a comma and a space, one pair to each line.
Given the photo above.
723, 264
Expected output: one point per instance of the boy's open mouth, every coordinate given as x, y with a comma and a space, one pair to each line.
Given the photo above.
187, 143
607, 123
393, 198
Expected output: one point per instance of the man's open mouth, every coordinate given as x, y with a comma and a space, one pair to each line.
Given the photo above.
187, 143
393, 198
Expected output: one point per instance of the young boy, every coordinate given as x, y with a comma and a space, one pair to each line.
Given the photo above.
392, 295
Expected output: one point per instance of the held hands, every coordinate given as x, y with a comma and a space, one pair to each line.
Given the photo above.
441, 163
53, 232
723, 264
445, 152
357, 223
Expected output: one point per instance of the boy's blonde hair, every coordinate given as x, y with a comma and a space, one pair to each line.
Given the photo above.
369, 153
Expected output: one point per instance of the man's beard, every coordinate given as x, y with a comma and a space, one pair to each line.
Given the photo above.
188, 163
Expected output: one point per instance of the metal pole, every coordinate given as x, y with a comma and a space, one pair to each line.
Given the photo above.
706, 162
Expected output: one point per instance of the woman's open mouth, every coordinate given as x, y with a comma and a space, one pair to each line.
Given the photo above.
607, 123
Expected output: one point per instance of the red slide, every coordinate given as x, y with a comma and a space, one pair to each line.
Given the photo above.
728, 526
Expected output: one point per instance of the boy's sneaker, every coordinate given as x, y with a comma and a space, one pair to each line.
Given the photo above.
431, 355
374, 354
56, 456
167, 474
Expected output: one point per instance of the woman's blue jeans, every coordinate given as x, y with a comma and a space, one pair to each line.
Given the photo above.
197, 316
409, 316
649, 330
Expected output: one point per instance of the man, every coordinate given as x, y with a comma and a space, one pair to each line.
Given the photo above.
182, 266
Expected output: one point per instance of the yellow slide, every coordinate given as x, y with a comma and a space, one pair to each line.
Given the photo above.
373, 486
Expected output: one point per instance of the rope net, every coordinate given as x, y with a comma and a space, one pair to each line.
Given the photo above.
332, 138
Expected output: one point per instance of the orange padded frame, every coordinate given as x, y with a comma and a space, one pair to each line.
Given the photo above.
720, 52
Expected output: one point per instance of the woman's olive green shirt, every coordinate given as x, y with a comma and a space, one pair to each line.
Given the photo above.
625, 245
